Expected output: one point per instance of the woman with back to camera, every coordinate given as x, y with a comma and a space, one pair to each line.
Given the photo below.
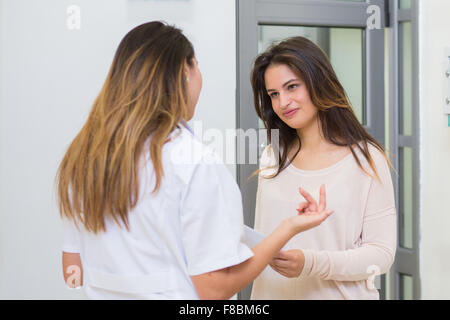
322, 145
148, 212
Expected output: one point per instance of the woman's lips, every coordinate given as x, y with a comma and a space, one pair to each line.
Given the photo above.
290, 113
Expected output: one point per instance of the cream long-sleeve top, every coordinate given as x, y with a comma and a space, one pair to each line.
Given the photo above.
342, 253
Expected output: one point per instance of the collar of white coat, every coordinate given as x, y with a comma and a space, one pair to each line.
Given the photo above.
185, 124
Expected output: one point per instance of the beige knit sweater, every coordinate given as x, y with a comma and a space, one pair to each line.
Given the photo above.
360, 236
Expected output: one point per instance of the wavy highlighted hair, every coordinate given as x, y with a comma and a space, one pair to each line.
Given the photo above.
143, 96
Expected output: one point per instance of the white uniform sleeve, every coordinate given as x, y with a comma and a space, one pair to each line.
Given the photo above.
71, 237
212, 221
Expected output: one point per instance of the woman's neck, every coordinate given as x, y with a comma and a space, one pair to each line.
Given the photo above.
311, 137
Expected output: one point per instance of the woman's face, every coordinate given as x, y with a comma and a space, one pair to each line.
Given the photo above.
194, 86
290, 97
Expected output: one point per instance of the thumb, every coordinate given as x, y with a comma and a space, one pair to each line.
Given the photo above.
322, 216
302, 206
328, 213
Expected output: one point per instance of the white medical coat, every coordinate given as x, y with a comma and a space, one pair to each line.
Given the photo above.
193, 225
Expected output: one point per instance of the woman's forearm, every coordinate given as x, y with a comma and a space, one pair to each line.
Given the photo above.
243, 274
348, 265
376, 252
223, 284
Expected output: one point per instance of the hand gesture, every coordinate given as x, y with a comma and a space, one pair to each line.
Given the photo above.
310, 214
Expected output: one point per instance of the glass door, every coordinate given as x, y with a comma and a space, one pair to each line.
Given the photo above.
349, 35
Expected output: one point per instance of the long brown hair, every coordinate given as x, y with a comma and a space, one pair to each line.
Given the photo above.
339, 123
143, 96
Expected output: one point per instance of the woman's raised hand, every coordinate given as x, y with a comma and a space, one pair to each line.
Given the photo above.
311, 205
310, 214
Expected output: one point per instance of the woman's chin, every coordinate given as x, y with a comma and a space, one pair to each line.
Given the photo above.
294, 124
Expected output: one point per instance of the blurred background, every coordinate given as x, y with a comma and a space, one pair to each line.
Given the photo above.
393, 58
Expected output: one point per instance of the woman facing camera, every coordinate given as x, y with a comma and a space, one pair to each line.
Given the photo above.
322, 149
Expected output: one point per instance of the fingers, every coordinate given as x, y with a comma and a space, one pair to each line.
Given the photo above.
322, 216
322, 199
302, 206
282, 264
285, 264
329, 213
326, 214
313, 204
308, 198
281, 271
283, 255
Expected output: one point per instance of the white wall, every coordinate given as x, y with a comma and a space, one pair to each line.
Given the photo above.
49, 77
434, 36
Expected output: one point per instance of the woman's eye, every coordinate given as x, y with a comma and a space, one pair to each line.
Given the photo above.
274, 94
292, 86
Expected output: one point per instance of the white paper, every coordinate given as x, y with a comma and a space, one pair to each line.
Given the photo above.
252, 237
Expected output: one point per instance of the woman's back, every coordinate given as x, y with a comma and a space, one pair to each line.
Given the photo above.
167, 241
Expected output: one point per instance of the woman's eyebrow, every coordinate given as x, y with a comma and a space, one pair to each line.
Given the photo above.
284, 85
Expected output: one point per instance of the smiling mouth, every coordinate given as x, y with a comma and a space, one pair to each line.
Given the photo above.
290, 113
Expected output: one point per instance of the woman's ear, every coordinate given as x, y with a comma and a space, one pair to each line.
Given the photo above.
186, 71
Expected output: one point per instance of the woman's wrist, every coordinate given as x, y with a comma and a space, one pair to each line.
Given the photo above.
288, 228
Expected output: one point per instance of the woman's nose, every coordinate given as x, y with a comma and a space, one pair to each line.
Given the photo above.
285, 100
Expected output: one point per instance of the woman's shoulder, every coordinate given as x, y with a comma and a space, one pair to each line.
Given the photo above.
374, 151
378, 157
268, 161
267, 156
185, 148
184, 154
